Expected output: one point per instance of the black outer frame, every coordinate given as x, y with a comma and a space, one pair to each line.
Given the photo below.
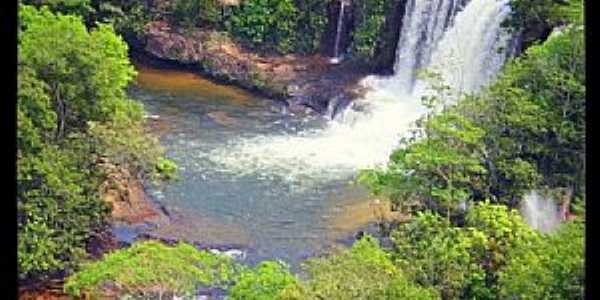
8, 264
591, 96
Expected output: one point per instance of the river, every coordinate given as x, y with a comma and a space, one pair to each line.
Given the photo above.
279, 185
270, 215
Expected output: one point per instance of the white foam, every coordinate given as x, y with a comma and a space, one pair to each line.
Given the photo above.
366, 138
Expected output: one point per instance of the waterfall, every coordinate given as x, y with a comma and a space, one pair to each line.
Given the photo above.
336, 59
541, 213
364, 139
423, 26
473, 50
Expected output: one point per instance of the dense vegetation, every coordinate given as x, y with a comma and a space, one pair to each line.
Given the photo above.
150, 269
495, 254
526, 130
71, 99
369, 26
534, 19
460, 176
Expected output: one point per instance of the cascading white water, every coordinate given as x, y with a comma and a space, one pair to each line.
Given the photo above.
364, 139
422, 27
540, 213
468, 54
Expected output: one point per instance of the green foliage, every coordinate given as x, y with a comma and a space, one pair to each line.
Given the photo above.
534, 17
151, 268
267, 24
265, 282
82, 8
86, 72
495, 252
128, 17
534, 116
69, 78
129, 146
437, 170
438, 255
58, 207
527, 129
166, 167
363, 272
369, 26
551, 269
191, 13
311, 23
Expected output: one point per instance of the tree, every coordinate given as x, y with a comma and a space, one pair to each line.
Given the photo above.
150, 269
436, 254
266, 24
265, 282
439, 170
554, 268
363, 272
191, 13
536, 18
69, 78
527, 129
86, 72
57, 200
369, 26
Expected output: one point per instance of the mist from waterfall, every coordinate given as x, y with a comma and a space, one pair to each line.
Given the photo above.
467, 47
541, 213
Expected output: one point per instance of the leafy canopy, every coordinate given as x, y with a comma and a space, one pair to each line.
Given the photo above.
151, 268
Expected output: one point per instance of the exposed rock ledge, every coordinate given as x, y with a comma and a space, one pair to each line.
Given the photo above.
308, 81
125, 193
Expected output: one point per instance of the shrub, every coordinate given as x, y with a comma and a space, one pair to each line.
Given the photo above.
265, 282
552, 269
369, 26
151, 268
363, 272
266, 24
192, 13
311, 23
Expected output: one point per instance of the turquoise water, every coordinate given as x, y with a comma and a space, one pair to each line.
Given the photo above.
265, 213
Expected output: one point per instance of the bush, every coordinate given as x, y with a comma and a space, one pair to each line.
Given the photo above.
151, 268
191, 13
265, 282
311, 23
363, 272
552, 269
369, 26
71, 107
266, 24
129, 146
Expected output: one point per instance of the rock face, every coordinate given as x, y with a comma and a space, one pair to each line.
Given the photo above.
125, 193
308, 81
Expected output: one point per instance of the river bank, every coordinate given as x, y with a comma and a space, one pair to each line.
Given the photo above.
211, 206
301, 81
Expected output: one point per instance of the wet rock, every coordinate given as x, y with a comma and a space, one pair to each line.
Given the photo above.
336, 105
125, 194
303, 81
